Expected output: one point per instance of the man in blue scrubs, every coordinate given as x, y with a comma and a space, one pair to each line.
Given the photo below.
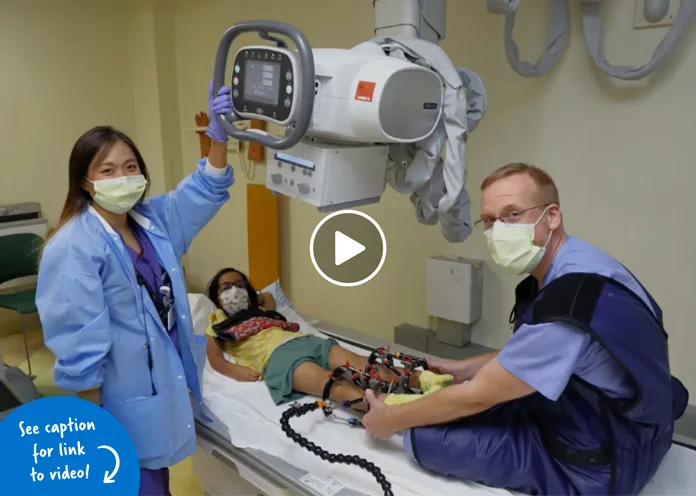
580, 398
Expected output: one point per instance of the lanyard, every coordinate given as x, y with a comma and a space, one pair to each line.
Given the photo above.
165, 302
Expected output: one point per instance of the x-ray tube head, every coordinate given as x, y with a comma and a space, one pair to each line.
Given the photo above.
367, 97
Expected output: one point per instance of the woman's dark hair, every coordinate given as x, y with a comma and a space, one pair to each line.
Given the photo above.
91, 147
214, 285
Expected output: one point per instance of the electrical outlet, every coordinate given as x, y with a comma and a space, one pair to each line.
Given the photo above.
640, 22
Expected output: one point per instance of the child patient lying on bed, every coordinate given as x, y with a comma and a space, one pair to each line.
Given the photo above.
266, 347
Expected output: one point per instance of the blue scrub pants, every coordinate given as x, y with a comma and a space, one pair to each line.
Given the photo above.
154, 482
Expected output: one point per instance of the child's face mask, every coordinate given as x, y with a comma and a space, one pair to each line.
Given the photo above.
234, 300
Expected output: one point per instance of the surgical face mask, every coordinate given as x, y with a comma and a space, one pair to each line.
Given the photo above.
234, 300
512, 246
119, 194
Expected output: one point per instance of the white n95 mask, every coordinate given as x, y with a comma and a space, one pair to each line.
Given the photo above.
512, 246
119, 194
234, 300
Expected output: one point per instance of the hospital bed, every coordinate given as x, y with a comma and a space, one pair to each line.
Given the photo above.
243, 451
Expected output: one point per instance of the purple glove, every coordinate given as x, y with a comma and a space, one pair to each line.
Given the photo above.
220, 104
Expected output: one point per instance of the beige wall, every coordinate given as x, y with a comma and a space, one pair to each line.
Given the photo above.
64, 67
69, 65
620, 152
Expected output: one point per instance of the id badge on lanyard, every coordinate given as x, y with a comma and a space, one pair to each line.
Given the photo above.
168, 302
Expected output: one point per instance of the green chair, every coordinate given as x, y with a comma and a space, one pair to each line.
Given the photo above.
19, 257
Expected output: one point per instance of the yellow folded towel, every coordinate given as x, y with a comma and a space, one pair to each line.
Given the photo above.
429, 382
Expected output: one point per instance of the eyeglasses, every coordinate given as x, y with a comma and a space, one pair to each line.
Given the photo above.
229, 285
511, 217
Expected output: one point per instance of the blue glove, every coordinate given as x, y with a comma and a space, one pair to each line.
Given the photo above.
219, 104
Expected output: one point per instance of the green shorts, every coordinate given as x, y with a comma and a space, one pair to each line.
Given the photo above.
287, 357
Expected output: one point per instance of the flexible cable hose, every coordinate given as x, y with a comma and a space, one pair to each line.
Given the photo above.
300, 410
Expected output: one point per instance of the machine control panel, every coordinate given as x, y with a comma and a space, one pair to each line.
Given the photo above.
263, 84
327, 176
294, 172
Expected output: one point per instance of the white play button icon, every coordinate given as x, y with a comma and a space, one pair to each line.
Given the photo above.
348, 248
345, 248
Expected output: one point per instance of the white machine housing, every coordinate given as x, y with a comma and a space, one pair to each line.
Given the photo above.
329, 176
363, 101
454, 288
363, 97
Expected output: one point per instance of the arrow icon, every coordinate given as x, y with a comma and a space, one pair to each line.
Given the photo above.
109, 477
345, 248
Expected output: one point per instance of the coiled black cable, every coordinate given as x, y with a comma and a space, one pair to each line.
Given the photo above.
298, 411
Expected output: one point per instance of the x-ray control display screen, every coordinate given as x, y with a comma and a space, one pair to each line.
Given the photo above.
262, 82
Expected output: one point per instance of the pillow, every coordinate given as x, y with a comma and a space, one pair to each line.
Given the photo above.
281, 300
305, 328
201, 308
287, 309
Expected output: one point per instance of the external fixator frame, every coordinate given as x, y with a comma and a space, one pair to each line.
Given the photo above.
370, 379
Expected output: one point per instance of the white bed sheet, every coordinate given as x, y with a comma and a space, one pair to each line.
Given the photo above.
253, 422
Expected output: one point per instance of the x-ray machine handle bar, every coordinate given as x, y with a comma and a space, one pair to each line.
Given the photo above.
295, 130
